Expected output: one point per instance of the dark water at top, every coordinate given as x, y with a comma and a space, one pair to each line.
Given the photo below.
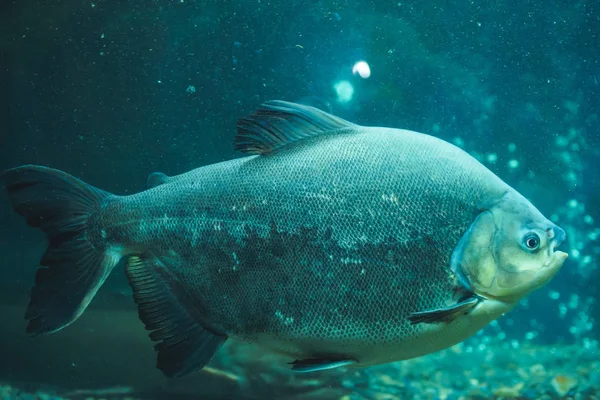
111, 91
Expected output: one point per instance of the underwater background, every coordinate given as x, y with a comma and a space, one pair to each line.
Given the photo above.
111, 91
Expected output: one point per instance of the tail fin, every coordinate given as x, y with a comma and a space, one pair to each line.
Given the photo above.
72, 269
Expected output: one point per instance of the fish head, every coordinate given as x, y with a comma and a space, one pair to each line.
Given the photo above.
509, 250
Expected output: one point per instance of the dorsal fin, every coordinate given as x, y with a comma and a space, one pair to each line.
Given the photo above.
156, 179
277, 123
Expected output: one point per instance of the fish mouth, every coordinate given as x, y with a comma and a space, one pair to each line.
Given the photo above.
557, 236
557, 257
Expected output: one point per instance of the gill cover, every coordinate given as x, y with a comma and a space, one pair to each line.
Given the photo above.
492, 258
472, 260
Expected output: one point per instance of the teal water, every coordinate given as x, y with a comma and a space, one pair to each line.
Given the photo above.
111, 91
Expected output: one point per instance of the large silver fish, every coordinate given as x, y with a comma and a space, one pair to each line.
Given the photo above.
335, 244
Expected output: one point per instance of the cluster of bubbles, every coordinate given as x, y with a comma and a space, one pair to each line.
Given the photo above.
344, 89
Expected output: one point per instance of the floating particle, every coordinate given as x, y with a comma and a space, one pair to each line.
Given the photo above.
344, 91
488, 102
574, 147
513, 164
562, 310
590, 344
572, 203
573, 133
190, 89
362, 69
588, 219
561, 141
512, 147
554, 295
572, 106
492, 158
571, 176
574, 301
530, 335
573, 330
458, 142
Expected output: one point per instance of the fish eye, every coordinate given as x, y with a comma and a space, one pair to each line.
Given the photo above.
532, 241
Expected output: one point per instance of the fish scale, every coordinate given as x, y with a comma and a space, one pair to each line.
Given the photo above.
333, 243
347, 184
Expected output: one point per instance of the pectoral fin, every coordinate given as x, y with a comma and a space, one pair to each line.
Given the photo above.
319, 364
446, 314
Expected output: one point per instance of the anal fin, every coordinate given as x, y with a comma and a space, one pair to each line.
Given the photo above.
445, 314
319, 364
173, 316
